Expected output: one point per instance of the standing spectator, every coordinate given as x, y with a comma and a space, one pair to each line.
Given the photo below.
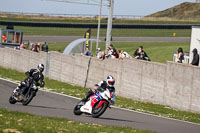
195, 60
31, 46
140, 54
36, 48
22, 46
45, 47
123, 54
87, 52
4, 38
180, 55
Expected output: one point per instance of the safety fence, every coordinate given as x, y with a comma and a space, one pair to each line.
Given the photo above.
171, 84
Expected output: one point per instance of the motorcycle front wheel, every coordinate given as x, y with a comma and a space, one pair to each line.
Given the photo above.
98, 111
28, 97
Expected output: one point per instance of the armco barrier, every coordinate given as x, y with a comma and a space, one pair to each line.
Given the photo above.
171, 84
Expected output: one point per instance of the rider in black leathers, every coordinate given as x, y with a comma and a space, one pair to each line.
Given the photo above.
34, 75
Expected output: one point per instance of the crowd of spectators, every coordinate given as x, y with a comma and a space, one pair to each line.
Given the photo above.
36, 47
111, 52
181, 58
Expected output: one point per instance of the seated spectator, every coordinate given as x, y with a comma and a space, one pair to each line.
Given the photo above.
123, 54
22, 46
195, 60
109, 52
140, 54
115, 54
87, 52
112, 48
45, 47
180, 55
100, 54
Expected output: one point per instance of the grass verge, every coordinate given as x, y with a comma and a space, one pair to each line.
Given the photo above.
48, 31
157, 51
85, 20
77, 91
16, 122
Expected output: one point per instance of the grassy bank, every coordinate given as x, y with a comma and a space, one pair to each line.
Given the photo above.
143, 20
47, 31
16, 122
77, 91
157, 51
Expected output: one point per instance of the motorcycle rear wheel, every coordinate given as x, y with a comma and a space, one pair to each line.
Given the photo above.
77, 110
96, 112
12, 100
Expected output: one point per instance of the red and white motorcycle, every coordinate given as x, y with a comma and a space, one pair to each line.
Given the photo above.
96, 106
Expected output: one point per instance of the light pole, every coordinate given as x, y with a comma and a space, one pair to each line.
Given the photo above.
109, 25
99, 25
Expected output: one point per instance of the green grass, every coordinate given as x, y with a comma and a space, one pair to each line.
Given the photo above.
80, 92
17, 122
146, 20
47, 31
57, 46
157, 51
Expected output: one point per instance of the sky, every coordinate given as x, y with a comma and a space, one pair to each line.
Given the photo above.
121, 7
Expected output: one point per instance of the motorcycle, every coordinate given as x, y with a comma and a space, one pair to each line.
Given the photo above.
96, 106
25, 94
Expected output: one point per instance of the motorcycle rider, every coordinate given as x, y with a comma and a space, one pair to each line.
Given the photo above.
101, 86
35, 75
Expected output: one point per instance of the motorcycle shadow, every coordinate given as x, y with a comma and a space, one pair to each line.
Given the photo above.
46, 107
115, 119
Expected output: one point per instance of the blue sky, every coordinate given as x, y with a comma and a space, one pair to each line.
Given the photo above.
121, 7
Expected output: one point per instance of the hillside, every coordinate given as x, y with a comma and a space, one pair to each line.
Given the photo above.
183, 10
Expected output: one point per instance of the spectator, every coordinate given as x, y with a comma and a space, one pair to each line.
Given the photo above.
180, 55
45, 47
4, 38
100, 54
31, 46
195, 60
109, 52
36, 48
140, 54
22, 46
115, 54
87, 52
112, 48
123, 54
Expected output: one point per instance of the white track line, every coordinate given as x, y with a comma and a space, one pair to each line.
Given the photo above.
111, 106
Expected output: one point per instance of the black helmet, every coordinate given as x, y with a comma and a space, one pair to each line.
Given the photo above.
40, 67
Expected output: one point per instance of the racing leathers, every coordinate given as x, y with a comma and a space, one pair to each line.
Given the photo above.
101, 86
34, 75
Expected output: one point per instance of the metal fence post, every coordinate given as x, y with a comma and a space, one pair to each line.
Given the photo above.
47, 64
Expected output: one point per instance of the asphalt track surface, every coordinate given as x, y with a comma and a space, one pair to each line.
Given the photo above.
56, 105
115, 39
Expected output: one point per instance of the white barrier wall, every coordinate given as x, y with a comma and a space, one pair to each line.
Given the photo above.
172, 84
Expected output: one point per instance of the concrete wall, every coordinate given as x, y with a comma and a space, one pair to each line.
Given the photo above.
70, 69
182, 89
21, 60
172, 84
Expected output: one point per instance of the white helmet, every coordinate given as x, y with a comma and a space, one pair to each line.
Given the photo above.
40, 67
110, 81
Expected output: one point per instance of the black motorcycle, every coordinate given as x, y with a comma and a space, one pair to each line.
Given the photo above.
25, 94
